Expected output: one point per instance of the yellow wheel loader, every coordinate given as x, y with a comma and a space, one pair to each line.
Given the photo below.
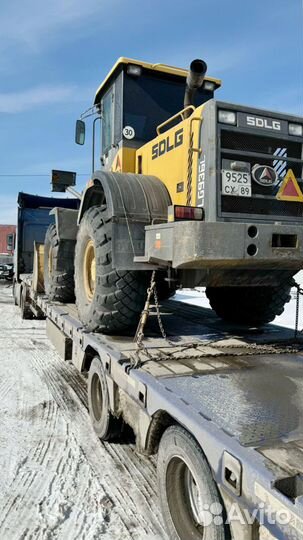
203, 192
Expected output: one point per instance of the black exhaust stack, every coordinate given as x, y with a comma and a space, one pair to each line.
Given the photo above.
194, 81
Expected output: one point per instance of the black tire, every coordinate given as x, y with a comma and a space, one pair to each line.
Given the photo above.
251, 306
183, 471
164, 290
58, 267
15, 293
113, 300
25, 311
106, 426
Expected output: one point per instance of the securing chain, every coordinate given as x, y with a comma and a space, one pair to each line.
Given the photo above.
139, 336
190, 170
157, 306
299, 293
247, 349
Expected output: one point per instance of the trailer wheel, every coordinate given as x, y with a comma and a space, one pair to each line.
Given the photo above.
189, 498
106, 426
26, 312
58, 267
252, 306
15, 293
108, 300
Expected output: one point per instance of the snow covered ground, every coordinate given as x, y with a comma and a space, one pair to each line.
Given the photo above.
58, 481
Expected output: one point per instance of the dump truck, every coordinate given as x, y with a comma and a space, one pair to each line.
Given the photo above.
33, 220
191, 191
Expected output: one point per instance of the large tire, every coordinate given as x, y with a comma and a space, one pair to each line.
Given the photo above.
189, 496
58, 267
164, 289
105, 424
251, 306
108, 300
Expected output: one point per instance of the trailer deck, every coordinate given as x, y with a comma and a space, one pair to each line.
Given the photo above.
239, 392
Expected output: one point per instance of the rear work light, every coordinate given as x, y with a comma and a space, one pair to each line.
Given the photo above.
227, 117
185, 213
295, 129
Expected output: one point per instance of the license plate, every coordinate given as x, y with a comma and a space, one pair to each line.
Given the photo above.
236, 183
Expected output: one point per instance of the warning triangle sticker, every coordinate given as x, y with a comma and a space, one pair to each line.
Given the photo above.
290, 190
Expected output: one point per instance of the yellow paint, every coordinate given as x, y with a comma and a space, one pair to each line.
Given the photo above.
38, 268
125, 160
290, 178
162, 68
172, 166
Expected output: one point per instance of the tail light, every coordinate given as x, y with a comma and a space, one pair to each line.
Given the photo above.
185, 213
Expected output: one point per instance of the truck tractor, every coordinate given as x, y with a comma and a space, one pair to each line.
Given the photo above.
190, 190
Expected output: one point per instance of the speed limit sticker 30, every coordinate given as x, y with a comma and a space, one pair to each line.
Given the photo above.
236, 183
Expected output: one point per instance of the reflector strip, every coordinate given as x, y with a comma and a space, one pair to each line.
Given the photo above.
290, 190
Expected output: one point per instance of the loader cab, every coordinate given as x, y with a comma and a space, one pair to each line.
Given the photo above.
132, 101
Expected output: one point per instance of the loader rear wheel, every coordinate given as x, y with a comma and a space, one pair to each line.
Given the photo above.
108, 300
251, 306
164, 289
58, 267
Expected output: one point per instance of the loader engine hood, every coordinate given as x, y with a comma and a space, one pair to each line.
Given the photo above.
259, 163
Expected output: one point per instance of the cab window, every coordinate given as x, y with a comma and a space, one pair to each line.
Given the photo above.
107, 121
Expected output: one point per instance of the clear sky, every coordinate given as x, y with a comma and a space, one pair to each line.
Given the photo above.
53, 56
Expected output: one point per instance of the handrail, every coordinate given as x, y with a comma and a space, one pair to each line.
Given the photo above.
195, 119
180, 113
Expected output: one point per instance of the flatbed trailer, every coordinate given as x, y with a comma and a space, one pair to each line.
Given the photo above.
238, 393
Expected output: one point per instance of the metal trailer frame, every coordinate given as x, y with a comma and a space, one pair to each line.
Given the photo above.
239, 397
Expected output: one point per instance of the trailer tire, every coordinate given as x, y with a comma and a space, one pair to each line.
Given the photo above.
26, 312
108, 300
58, 267
15, 293
251, 306
105, 424
183, 471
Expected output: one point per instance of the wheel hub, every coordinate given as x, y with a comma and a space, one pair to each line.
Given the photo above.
50, 261
194, 497
89, 270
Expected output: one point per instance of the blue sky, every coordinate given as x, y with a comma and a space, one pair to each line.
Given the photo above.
53, 56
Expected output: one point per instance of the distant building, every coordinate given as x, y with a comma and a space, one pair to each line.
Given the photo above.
7, 239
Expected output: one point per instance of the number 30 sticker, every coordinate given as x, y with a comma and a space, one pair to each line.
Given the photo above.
128, 132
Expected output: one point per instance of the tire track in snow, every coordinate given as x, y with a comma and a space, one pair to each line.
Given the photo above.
70, 404
64, 483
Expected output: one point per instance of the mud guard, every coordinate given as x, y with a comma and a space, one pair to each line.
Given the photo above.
133, 201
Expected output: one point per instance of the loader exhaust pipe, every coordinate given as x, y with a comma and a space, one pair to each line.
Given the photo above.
194, 81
